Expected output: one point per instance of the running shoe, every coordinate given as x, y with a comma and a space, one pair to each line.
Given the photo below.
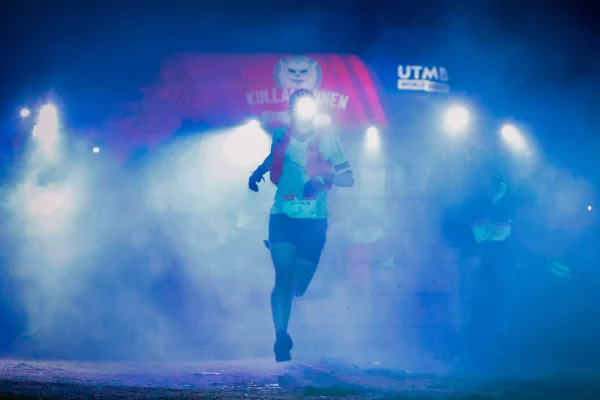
283, 347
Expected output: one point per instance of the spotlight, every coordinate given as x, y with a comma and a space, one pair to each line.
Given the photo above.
456, 119
512, 137
25, 112
253, 123
372, 131
372, 134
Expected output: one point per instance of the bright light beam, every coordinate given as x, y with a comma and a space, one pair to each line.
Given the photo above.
513, 137
253, 124
306, 108
372, 137
48, 117
46, 203
46, 129
456, 119
246, 146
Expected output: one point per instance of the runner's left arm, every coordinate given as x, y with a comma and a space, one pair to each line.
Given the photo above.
342, 175
267, 163
257, 175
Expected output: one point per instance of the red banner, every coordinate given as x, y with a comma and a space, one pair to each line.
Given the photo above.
225, 89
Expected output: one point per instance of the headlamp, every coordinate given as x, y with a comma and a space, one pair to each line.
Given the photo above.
305, 107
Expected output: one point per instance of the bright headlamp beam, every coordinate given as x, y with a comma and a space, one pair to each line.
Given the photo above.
306, 108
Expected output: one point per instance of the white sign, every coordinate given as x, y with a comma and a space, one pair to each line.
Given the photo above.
423, 78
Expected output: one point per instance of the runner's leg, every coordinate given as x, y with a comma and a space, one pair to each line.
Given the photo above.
283, 255
308, 253
304, 272
283, 252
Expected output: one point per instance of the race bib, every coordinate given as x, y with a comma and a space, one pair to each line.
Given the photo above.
294, 207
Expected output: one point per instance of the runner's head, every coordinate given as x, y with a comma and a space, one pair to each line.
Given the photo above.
303, 110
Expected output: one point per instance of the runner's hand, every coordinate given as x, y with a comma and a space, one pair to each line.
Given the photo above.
256, 177
317, 184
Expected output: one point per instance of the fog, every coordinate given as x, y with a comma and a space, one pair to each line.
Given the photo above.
164, 259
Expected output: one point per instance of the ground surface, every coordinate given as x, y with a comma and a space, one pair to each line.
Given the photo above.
263, 379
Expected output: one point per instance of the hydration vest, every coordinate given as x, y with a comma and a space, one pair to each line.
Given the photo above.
315, 163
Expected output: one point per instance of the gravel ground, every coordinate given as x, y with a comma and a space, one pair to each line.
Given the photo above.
263, 379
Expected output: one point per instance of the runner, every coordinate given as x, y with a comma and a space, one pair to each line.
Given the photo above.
304, 163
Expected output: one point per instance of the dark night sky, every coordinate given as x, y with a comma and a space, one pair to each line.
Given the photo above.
513, 55
116, 43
